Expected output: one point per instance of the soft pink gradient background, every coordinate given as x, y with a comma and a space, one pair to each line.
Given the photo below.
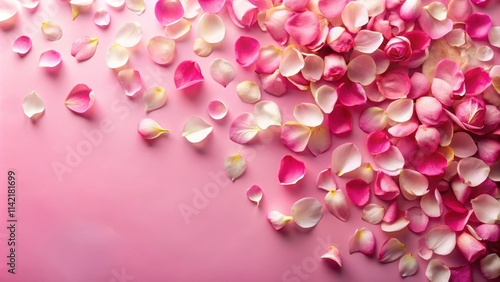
118, 210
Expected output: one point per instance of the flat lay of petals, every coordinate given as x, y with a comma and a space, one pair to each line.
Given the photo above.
486, 208
255, 194
459, 10
428, 110
410, 10
246, 50
434, 28
150, 129
217, 109
278, 220
308, 114
391, 250
267, 113
362, 241
476, 81
115, 3
102, 18
333, 254
211, 28
8, 9
161, 50
351, 94
391, 160
373, 213
212, 6
130, 81
437, 271
456, 37
235, 166
400, 110
485, 53
136, 6
471, 248
187, 73
336, 204
408, 265
394, 84
417, 218
413, 184
117, 56
129, 34
377, 142
51, 30
202, 48
33, 106
362, 70
177, 29
340, 120
313, 68
80, 98
196, 129
79, 6
478, 25
168, 11
320, 140
441, 240
291, 62
494, 36
432, 204
490, 266
22, 45
84, 48
248, 91
358, 191
243, 129
303, 27
463, 145
49, 59
346, 158
307, 212
326, 181
398, 224
331, 11
291, 170
367, 41
385, 188
154, 97
472, 171
354, 16
222, 71
268, 60
372, 119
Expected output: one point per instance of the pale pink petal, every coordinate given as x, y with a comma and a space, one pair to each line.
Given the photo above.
372, 119
235, 166
191, 8
456, 37
248, 91
391, 160
115, 3
212, 6
463, 145
413, 184
451, 72
303, 27
490, 266
320, 140
326, 181
478, 25
489, 232
307, 212
22, 45
423, 251
267, 113
117, 56
242, 12
459, 10
358, 191
417, 218
345, 158
428, 110
254, 194
457, 220
336, 203
486, 208
211, 28
351, 94
129, 34
313, 68
222, 71
410, 10
246, 50
485, 53
161, 50
268, 60
362, 241
130, 81
187, 73
340, 40
437, 271
169, 11
391, 250
437, 10
79, 6
243, 129
274, 84
489, 151
202, 48
308, 114
404, 129
275, 24
292, 62
154, 97
397, 225
494, 36
178, 29
362, 70
471, 248
408, 265
367, 41
331, 11
434, 28
102, 18
340, 120
354, 16
460, 190
442, 91
476, 81
84, 48
291, 170
385, 188
400, 110
217, 109
80, 98
136, 6
150, 129
278, 220
373, 213
333, 254
377, 142
335, 67
473, 171
441, 240
394, 84
427, 138
196, 129
50, 59
33, 106
432, 204
51, 30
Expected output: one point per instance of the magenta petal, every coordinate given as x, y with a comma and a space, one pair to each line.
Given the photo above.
489, 150
50, 59
489, 232
478, 25
186, 74
461, 273
385, 188
394, 85
291, 170
246, 50
331, 11
417, 218
303, 27
212, 6
432, 164
377, 142
457, 220
80, 99
351, 94
420, 85
22, 45
391, 213
470, 247
476, 81
358, 191
340, 120
168, 11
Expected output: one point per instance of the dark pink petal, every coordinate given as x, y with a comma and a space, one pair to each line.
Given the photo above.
377, 142
427, 138
419, 40
489, 232
187, 73
417, 218
50, 59
408, 147
461, 273
168, 11
358, 191
303, 27
274, 84
476, 81
478, 25
391, 213
268, 60
488, 150
246, 50
471, 248
291, 170
212, 6
420, 85
275, 24
432, 164
340, 120
333, 254
385, 188
480, 3
394, 84
451, 202
22, 45
331, 11
80, 98
429, 110
351, 94
456, 220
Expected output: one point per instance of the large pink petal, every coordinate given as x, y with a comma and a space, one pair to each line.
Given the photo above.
326, 98
404, 129
478, 25
362, 241
320, 141
420, 85
212, 6
394, 84
295, 136
22, 45
391, 213
168, 11
336, 203
427, 138
84, 48
459, 10
345, 158
489, 150
391, 161
358, 191
331, 11
391, 250
307, 212
308, 114
362, 70
130, 81
187, 73
413, 184
476, 81
275, 24
441, 239
377, 142
333, 254
457, 220
417, 218
437, 271
473, 171
429, 110
243, 129
432, 164
463, 145
451, 72
434, 28
486, 208
246, 50
335, 67
354, 16
340, 120
351, 94
80, 98
471, 248
489, 232
372, 119
385, 188
161, 50
243, 13
303, 27
400, 110
291, 170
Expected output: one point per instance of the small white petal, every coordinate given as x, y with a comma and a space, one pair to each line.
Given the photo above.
129, 34
33, 106
248, 91
267, 113
235, 166
154, 98
196, 129
307, 212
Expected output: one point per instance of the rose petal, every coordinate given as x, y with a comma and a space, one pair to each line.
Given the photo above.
385, 188
30, 4
413, 184
331, 11
242, 12
235, 166
490, 266
362, 70
372, 119
326, 181
291, 170
463, 145
248, 91
274, 83
196, 129
494, 36
303, 27
168, 11
51, 30
441, 240
79, 6
217, 109
427, 138
432, 204
391, 160
408, 265
340, 120
476, 81
150, 129
33, 106
84, 48
313, 68
307, 212
457, 221
187, 73
345, 158
394, 84
129, 34
191, 8
222, 71
117, 56
471, 248
177, 29
351, 94
472, 171
459, 10
336, 204
22, 45
102, 18
254, 194
291, 62
367, 41
267, 113
410, 10
278, 220
391, 250
8, 9
130, 81
434, 28
320, 140
161, 50
268, 60
49, 59
398, 224
485, 53
325, 97
115, 3
212, 6
335, 67
80, 98
377, 142
478, 25
400, 110
354, 16
246, 50
429, 110
358, 191
404, 129
136, 6
243, 129
275, 23
486, 209
154, 98
456, 37
373, 213
202, 48
333, 254
362, 241
211, 28
423, 251
308, 114
417, 218
437, 271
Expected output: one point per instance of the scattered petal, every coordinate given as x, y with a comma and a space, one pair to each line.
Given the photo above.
246, 50
308, 114
325, 97
417, 218
84, 48
326, 181
373, 213
49, 59
235, 166
472, 171
307, 212
267, 113
400, 110
333, 254
248, 91
291, 62
303, 27
340, 120
362, 70
413, 184
362, 241
51, 30
463, 145
168, 11
150, 129
129, 34
377, 142
80, 98
196, 129
187, 73
222, 71
212, 6
408, 265
441, 240
372, 119
486, 208
115, 3
485, 53
254, 194
178, 29
130, 81
274, 83
391, 250
367, 41
30, 4
102, 18
202, 48
313, 68
79, 6
358, 191
395, 226
354, 16
478, 25
154, 97
427, 138
291, 170
22, 45
278, 220
268, 60
471, 248
345, 158
351, 94
161, 50
394, 84
494, 36
217, 109
390, 161
117, 56
432, 204
243, 129
8, 9
490, 266
211, 28
33, 106
136, 6
336, 203
437, 271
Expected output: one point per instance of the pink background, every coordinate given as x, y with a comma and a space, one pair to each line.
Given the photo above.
118, 211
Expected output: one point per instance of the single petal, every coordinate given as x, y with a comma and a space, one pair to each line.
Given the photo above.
150, 129
308, 114
177, 29
242, 12
494, 36
441, 239
161, 50
364, 172
456, 37
202, 48
246, 50
136, 6
333, 254
367, 41
313, 68
196, 129
115, 3
291, 62
248, 91
373, 213
354, 16
275, 23
340, 120
471, 248
410, 10
391, 250
79, 6
408, 265
307, 212
432, 164
222, 71
486, 209
254, 194
22, 45
377, 142
235, 166
291, 170
476, 80
50, 59
372, 119
398, 224
413, 184
391, 160
84, 48
211, 28
394, 84
427, 138
168, 11
490, 266
478, 25
274, 84
268, 60
351, 94
423, 251
391, 213
187, 73
243, 129
437, 10
472, 171
325, 97
400, 110
33, 106
432, 204
154, 98
417, 218
191, 8
212, 6
331, 11
428, 110
51, 30
129, 34
267, 113
362, 241
345, 158
489, 151
8, 9
303, 27
358, 191
102, 18
336, 204
326, 181
463, 145
459, 10
362, 70
485, 53
130, 81
434, 28
320, 140
80, 98
117, 56
278, 220
437, 271
217, 109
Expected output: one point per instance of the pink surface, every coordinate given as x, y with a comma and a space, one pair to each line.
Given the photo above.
116, 215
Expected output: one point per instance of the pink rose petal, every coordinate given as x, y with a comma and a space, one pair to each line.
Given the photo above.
489, 232
391, 250
404, 129
478, 25
50, 59
217, 109
212, 6
486, 208
222, 71
420, 85
345, 158
331, 11
456, 220
274, 84
102, 18
362, 241
161, 50
441, 240
463, 145
354, 16
394, 84
385, 188
408, 265
291, 170
303, 27
410, 10
367, 41
471, 248
377, 142
373, 213
372, 119
362, 70
295, 136
358, 191
391, 161
437, 271
150, 129
130, 81
429, 110
340, 120
292, 62
351, 94
398, 224
333, 254
275, 24
243, 13
326, 181
211, 28
413, 184
278, 220
400, 110
243, 129
335, 67
427, 138
308, 114
168, 11
490, 266
8, 9
417, 218
313, 68
432, 204
434, 28
246, 50
391, 213
489, 150
307, 212
459, 10
22, 45
336, 203
473, 171
84, 48
476, 81
268, 60
80, 98
254, 194
187, 73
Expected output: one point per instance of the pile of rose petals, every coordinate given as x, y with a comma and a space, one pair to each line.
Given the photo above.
420, 73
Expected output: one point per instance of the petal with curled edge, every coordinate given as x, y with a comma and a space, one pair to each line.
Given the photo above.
50, 59
222, 71
168, 11
333, 254
346, 158
437, 271
391, 250
326, 181
246, 50
130, 81
408, 265
490, 266
413, 184
291, 170
84, 48
80, 98
292, 62
150, 129
362, 241
432, 204
33, 106
307, 212
336, 204
154, 97
235, 166
441, 240
320, 140
248, 91
117, 56
372, 119
255, 194
243, 129
373, 213
308, 114
417, 218
267, 113
325, 97
161, 50
278, 220
486, 208
196, 129
473, 171
186, 74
